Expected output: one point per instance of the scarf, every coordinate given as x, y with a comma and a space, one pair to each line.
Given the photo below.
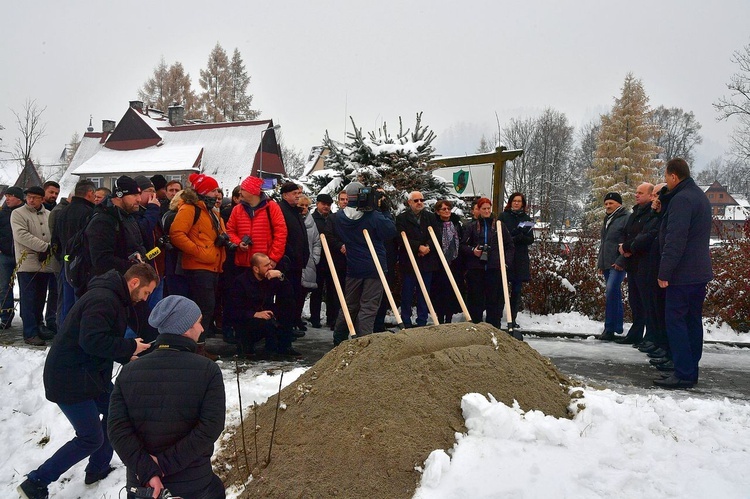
450, 241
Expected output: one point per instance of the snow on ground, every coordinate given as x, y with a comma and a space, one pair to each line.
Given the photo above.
655, 444
618, 446
574, 322
27, 418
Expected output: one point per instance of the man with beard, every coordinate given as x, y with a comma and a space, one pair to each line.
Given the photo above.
78, 373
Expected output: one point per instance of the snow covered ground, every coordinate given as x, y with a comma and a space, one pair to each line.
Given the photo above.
648, 443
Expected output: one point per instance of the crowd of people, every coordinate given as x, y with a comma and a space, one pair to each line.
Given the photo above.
663, 248
151, 268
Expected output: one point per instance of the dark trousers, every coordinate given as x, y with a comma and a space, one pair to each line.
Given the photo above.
483, 293
66, 297
278, 335
295, 278
683, 315
409, 288
89, 420
7, 266
33, 287
379, 324
202, 290
515, 298
636, 294
325, 290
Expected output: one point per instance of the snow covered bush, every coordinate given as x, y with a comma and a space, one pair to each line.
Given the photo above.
728, 295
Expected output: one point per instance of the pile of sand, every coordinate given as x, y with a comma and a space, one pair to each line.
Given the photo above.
358, 422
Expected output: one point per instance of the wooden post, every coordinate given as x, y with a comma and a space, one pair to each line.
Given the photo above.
452, 280
391, 301
337, 285
419, 278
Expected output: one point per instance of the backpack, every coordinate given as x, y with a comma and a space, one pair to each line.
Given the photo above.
76, 261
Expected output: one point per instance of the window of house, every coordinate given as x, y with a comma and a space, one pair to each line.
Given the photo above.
721, 196
174, 177
96, 180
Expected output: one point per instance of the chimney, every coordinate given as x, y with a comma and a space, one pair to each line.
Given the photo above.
108, 126
176, 115
137, 105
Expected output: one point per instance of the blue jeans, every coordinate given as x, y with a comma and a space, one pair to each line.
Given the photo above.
90, 441
7, 265
33, 288
683, 316
613, 312
409, 288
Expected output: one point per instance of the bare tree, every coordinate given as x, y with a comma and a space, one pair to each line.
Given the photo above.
29, 123
738, 103
294, 161
678, 133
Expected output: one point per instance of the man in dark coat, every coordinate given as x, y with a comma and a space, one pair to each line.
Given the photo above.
414, 222
322, 272
363, 287
297, 247
684, 271
68, 222
630, 262
168, 408
78, 371
612, 235
262, 300
13, 199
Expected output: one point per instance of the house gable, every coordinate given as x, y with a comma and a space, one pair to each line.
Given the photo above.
131, 133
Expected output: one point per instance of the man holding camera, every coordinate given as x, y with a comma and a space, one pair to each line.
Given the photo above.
200, 234
363, 287
168, 409
414, 222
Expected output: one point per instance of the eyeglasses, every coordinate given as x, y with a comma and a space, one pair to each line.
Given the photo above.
444, 208
417, 200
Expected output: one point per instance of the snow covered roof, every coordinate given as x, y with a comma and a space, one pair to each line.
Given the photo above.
166, 158
312, 160
145, 142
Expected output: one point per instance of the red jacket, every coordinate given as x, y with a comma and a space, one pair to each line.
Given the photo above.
266, 228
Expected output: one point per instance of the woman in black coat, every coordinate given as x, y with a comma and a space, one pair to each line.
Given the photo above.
443, 298
479, 249
521, 227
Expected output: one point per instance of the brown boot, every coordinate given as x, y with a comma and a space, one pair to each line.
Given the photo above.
201, 350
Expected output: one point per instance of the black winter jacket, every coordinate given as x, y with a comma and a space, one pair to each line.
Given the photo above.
70, 221
170, 404
418, 235
79, 364
297, 247
684, 235
636, 221
484, 232
111, 237
6, 232
520, 268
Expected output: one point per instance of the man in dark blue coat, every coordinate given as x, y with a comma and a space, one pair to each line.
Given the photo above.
78, 371
168, 408
14, 198
684, 271
363, 287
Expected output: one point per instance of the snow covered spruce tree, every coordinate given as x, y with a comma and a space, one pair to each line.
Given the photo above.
626, 151
399, 164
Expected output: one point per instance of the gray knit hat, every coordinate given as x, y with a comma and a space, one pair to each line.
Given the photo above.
174, 315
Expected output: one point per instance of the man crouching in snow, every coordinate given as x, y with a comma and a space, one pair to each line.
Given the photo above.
168, 408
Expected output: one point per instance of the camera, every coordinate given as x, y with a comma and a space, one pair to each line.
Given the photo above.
485, 249
165, 242
247, 240
368, 199
223, 240
144, 492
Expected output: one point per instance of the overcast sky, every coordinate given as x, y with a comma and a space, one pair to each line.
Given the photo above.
312, 63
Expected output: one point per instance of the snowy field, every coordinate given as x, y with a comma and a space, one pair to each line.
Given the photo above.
652, 443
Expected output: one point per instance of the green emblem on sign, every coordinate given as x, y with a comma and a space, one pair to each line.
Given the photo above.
460, 180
